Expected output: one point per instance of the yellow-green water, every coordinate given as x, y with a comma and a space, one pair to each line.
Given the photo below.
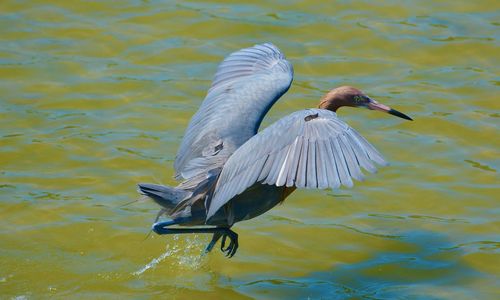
95, 97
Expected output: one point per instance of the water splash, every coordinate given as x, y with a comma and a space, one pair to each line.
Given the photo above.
185, 253
153, 263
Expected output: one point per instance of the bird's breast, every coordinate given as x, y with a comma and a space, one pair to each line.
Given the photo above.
253, 202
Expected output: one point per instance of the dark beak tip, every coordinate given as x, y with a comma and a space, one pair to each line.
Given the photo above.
399, 114
408, 118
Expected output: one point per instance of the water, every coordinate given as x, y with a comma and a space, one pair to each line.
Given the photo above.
95, 98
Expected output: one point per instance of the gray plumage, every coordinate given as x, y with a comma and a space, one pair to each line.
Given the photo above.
246, 85
231, 173
322, 152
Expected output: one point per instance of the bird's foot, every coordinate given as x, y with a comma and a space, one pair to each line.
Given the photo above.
223, 233
233, 243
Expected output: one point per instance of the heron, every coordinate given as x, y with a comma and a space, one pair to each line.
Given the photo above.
229, 171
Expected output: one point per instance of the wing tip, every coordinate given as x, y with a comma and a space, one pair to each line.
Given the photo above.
383, 162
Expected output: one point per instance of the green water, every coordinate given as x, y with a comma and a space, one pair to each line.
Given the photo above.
95, 97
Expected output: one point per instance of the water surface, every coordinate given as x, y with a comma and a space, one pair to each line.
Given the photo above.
95, 98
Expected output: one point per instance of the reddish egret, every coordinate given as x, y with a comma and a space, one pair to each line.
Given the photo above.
230, 172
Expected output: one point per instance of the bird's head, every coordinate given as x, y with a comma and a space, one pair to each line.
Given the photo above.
350, 96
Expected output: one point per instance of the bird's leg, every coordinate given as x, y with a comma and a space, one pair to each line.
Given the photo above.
161, 228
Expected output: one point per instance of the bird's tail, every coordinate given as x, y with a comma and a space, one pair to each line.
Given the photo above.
166, 196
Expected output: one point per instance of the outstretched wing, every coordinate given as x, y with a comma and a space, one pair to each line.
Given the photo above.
307, 149
246, 85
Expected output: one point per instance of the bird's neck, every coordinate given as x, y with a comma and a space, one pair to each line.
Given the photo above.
331, 103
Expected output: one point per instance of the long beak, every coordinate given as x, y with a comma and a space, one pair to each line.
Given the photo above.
374, 105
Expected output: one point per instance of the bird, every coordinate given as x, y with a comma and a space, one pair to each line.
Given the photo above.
229, 171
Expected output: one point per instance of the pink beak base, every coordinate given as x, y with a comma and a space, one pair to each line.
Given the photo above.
381, 107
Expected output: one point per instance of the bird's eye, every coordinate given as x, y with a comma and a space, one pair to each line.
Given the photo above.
358, 99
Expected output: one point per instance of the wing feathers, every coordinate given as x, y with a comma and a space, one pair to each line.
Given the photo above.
361, 156
301, 175
321, 158
294, 162
250, 80
352, 162
311, 179
342, 168
331, 166
307, 149
287, 162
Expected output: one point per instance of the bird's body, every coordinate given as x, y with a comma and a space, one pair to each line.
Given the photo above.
232, 173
